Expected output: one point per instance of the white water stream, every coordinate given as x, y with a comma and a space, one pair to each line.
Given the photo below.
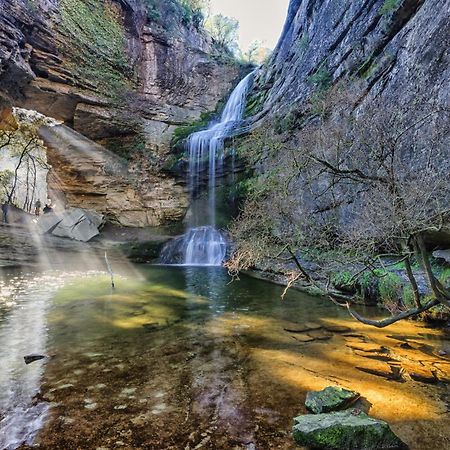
206, 245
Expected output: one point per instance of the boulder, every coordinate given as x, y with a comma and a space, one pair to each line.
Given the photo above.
78, 224
329, 399
442, 254
344, 430
48, 222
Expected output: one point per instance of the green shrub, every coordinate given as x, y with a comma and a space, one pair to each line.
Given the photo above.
342, 279
321, 78
444, 276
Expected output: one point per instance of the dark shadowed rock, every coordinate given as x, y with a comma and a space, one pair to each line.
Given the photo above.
32, 358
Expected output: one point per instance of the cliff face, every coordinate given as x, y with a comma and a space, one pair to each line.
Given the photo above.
398, 49
120, 73
351, 129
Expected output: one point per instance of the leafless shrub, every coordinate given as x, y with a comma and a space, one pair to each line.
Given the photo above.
363, 181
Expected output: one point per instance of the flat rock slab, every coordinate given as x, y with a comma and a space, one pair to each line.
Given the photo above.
381, 369
366, 347
78, 224
332, 398
345, 430
337, 328
303, 338
302, 327
320, 335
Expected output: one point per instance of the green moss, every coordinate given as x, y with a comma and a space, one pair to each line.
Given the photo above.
389, 6
95, 47
183, 132
255, 102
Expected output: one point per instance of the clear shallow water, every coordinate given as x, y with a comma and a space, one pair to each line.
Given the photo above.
178, 357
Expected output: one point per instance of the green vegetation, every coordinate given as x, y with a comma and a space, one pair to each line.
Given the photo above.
183, 132
95, 47
367, 68
444, 276
153, 12
189, 12
303, 42
321, 78
224, 31
390, 287
255, 102
389, 6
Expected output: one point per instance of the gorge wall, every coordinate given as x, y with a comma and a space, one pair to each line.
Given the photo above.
350, 131
122, 73
398, 49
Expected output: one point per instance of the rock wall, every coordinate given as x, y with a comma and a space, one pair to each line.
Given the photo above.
119, 74
398, 49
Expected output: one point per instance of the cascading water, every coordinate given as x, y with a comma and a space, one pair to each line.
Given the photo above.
205, 245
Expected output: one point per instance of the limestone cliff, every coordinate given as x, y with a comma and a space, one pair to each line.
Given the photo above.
398, 49
123, 73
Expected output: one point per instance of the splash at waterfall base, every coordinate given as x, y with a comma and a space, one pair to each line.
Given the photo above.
203, 244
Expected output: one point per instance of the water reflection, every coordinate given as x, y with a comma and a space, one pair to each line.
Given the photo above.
183, 345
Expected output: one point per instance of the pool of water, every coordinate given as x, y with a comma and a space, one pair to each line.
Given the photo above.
184, 358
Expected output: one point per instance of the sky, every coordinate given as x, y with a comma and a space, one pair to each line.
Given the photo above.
261, 20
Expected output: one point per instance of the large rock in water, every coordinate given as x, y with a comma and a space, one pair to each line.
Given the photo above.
77, 224
331, 398
345, 430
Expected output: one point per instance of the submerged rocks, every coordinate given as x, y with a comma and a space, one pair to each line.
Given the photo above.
345, 430
32, 358
331, 398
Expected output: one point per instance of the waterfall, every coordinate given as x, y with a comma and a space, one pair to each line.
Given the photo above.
205, 245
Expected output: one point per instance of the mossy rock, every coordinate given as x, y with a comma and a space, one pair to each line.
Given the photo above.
344, 430
332, 398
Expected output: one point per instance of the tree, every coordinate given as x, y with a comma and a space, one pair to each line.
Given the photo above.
195, 11
256, 53
224, 31
25, 147
360, 182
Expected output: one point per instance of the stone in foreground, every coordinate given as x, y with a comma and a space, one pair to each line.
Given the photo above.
345, 430
331, 398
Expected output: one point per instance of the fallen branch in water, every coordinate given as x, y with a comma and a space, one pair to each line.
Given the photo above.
108, 266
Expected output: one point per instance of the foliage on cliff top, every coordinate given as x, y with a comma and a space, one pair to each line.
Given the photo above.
95, 45
170, 13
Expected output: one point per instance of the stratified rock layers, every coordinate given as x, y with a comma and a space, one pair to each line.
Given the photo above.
127, 88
